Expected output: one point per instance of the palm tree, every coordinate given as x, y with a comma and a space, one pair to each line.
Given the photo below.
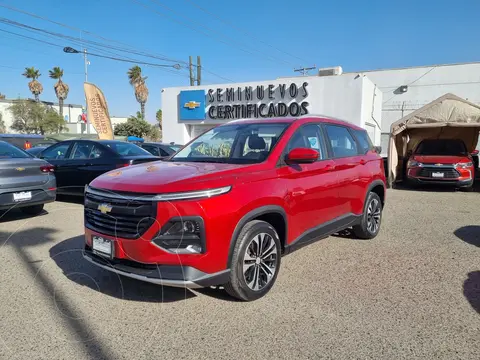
35, 87
61, 89
138, 82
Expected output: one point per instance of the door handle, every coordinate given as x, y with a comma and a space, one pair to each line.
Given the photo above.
363, 161
330, 167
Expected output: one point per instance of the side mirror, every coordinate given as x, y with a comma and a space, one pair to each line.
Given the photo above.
475, 152
302, 156
378, 149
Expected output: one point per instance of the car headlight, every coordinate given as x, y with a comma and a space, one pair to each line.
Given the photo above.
182, 235
464, 165
190, 195
414, 163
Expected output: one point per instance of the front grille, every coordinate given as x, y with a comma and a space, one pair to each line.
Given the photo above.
448, 172
129, 217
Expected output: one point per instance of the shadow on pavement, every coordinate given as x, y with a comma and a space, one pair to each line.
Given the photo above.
68, 256
470, 234
16, 214
471, 290
20, 241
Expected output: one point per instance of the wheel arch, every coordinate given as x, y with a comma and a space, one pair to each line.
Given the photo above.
378, 187
273, 214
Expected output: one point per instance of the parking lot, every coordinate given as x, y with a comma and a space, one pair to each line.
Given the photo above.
413, 292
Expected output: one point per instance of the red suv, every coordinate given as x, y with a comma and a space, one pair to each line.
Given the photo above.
441, 161
226, 207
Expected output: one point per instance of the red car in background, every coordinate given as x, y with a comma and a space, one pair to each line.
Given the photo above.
441, 161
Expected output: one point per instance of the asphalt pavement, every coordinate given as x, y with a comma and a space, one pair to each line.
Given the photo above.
411, 293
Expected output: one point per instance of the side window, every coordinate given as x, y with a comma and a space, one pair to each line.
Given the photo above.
97, 152
163, 152
85, 150
56, 152
342, 143
309, 136
364, 141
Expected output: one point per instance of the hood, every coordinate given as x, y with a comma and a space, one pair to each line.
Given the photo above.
440, 159
164, 176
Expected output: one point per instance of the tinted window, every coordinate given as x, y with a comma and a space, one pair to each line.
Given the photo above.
342, 143
151, 149
126, 149
309, 136
86, 150
56, 152
163, 152
234, 143
363, 140
441, 147
9, 151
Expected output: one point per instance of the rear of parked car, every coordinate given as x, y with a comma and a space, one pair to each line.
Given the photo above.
228, 205
25, 182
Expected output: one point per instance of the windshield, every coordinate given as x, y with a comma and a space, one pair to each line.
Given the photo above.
441, 147
234, 144
8, 151
127, 149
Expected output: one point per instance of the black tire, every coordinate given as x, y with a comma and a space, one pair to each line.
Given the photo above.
32, 210
238, 287
364, 230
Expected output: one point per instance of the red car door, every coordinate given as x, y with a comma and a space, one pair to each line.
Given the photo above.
311, 189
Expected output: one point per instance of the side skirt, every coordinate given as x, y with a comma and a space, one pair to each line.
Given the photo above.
322, 231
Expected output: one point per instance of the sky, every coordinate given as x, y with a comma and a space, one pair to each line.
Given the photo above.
238, 41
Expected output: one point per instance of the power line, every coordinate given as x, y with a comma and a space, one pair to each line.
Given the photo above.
413, 82
244, 32
229, 39
128, 49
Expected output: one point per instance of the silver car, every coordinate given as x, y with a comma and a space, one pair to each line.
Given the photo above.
26, 182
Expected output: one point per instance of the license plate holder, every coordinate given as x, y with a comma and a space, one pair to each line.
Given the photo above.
22, 196
438, 174
102, 246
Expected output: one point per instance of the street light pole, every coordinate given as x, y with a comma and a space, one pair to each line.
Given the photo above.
86, 80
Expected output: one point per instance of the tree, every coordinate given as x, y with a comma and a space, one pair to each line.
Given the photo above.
61, 89
35, 118
135, 126
138, 82
158, 115
3, 127
35, 87
155, 133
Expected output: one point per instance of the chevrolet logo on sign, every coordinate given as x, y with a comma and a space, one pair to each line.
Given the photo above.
104, 208
192, 105
19, 169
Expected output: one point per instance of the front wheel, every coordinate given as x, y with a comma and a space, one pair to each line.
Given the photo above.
255, 261
371, 219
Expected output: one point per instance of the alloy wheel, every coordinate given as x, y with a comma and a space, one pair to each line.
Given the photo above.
373, 216
260, 261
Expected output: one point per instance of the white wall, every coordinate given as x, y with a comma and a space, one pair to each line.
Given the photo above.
350, 98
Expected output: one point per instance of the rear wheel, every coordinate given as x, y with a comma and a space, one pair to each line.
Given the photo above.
255, 261
371, 219
32, 210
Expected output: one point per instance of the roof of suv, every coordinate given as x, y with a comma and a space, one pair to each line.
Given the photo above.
324, 118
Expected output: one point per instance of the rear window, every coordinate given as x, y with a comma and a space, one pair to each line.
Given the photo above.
127, 149
9, 151
441, 147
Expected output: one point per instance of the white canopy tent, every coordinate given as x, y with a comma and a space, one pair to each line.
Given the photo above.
448, 117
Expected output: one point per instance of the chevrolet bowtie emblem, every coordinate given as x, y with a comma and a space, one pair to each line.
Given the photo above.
438, 164
19, 169
192, 105
104, 208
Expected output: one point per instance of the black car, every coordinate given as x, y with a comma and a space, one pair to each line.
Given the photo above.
36, 150
78, 162
161, 149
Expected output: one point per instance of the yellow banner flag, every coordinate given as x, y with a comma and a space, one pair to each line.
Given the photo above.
97, 111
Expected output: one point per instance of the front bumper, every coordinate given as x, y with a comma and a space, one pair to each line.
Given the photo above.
166, 275
453, 176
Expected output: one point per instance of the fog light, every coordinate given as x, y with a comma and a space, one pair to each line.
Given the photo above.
182, 236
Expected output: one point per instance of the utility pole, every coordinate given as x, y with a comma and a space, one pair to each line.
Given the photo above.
190, 66
199, 71
86, 80
305, 70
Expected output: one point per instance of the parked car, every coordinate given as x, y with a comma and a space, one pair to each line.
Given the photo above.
225, 208
161, 149
441, 161
26, 182
36, 150
78, 162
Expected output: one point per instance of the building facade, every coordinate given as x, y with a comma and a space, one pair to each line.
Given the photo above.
189, 111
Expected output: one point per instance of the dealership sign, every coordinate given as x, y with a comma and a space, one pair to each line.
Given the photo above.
262, 101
